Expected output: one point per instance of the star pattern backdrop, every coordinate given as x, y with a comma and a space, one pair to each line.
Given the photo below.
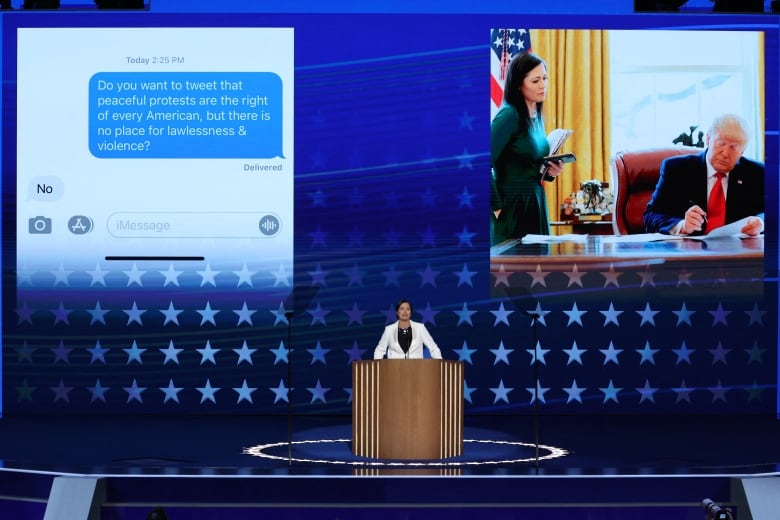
392, 163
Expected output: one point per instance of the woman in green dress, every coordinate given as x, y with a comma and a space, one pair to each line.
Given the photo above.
518, 143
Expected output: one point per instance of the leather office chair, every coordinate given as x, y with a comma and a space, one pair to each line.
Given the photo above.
634, 176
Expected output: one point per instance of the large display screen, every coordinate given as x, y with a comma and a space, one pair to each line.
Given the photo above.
217, 212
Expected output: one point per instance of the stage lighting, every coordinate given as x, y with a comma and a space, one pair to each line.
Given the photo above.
715, 512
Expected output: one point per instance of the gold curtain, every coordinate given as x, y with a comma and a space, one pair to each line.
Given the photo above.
577, 99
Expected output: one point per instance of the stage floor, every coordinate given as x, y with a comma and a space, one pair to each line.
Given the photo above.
494, 445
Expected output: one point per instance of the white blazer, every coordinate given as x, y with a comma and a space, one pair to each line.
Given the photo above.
388, 343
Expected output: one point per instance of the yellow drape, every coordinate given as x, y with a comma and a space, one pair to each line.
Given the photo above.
577, 99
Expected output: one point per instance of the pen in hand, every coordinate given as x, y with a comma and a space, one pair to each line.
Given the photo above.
703, 213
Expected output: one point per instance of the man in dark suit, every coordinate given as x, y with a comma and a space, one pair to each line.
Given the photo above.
683, 200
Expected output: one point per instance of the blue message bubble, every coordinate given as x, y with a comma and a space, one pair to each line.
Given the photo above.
185, 115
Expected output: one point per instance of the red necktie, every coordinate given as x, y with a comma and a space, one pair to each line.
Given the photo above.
716, 205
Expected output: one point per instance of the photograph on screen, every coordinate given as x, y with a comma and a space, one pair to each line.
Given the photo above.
636, 122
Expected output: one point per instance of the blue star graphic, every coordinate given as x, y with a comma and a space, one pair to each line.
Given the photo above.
574, 353
428, 276
465, 159
318, 315
501, 353
61, 392
464, 315
537, 393
61, 276
684, 315
244, 354
61, 353
25, 313
575, 315
392, 238
611, 276
244, 276
134, 353
465, 236
538, 354
244, 393
539, 276
280, 353
318, 393
349, 394
98, 391
207, 392
467, 391
465, 121
648, 315
756, 315
171, 353
502, 315
464, 353
648, 278
354, 354
171, 276
281, 277
683, 393
390, 315
428, 237
575, 277
392, 277
718, 392
279, 315
574, 392
756, 354
61, 314
428, 314
465, 198
171, 392
683, 354
207, 314
647, 353
134, 392
318, 237
355, 315
754, 392
318, 276
134, 314
646, 392
538, 315
98, 314
134, 276
611, 354
98, 276
465, 276
171, 314
719, 315
355, 276
318, 354
719, 354
611, 315
98, 353
25, 352
208, 276
501, 276
501, 392
244, 315
610, 393
280, 392
428, 198
25, 391
207, 353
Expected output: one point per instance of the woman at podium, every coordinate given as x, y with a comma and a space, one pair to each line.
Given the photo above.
405, 338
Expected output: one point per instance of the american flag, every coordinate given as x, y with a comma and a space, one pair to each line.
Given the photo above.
504, 44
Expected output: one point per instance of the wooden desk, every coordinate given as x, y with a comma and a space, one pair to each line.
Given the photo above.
740, 261
581, 227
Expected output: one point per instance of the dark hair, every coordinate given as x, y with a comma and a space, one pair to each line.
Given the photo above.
401, 302
158, 513
517, 70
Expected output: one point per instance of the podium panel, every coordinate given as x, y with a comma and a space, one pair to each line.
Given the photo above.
407, 409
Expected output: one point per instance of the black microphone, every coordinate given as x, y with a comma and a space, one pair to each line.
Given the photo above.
714, 511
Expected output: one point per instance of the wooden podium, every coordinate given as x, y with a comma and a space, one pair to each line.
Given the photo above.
407, 409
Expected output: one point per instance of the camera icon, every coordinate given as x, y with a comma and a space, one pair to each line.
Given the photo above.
39, 225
